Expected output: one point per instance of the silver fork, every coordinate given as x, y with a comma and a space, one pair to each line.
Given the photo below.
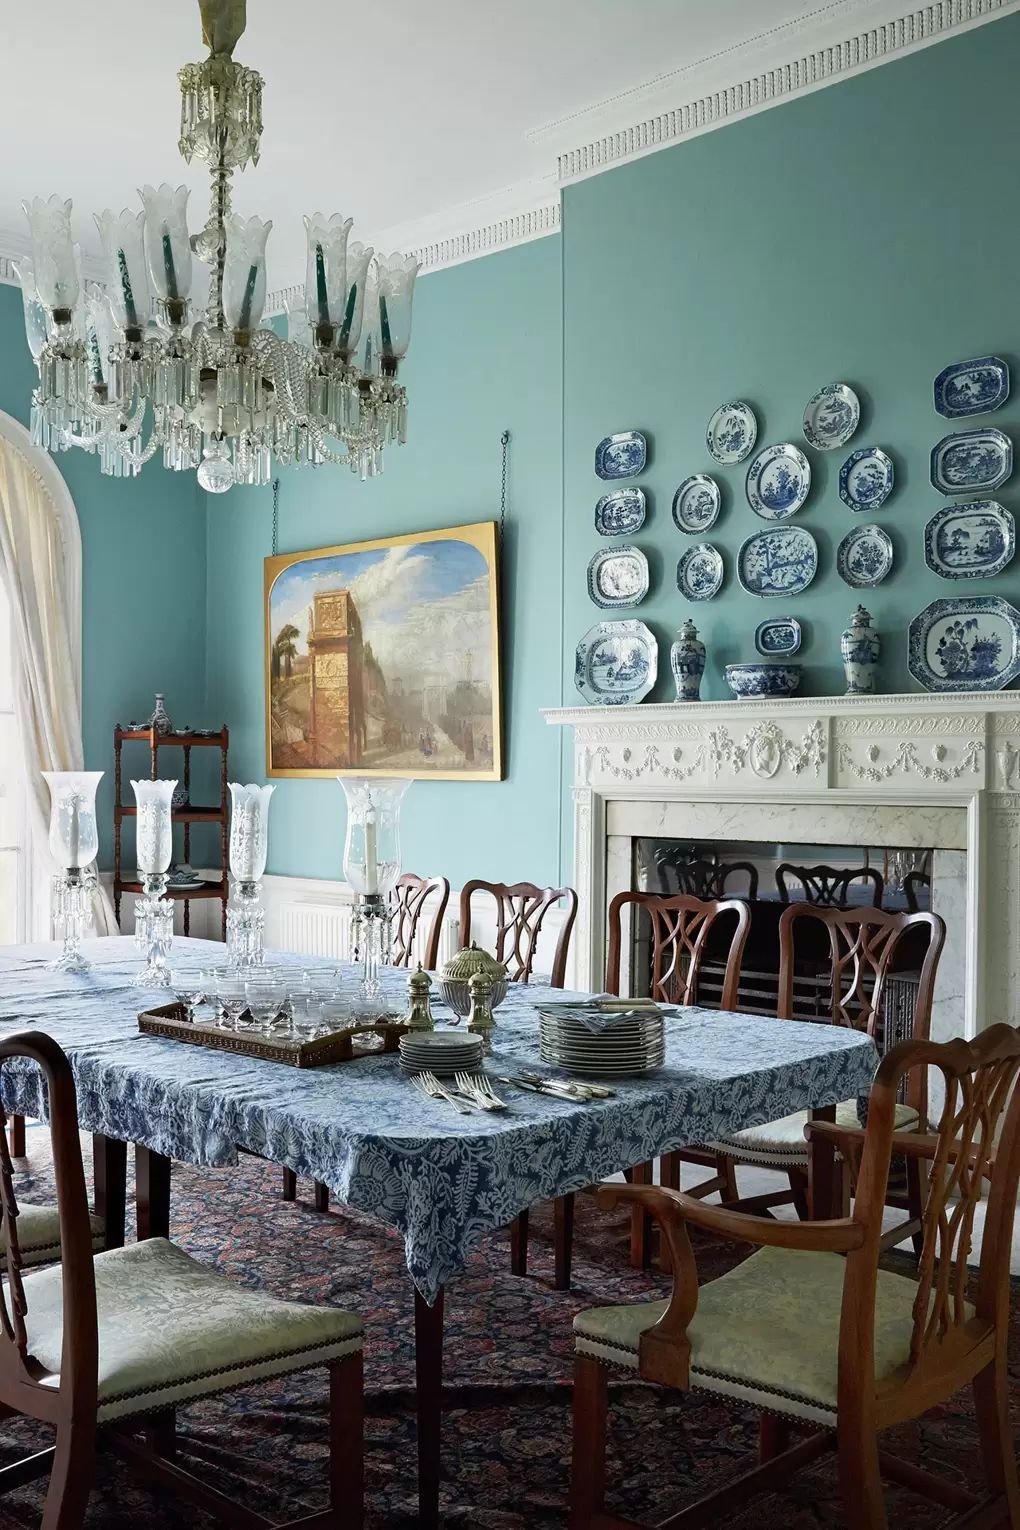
434, 1091
478, 1087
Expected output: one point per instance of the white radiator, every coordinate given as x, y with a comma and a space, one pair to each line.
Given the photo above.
313, 929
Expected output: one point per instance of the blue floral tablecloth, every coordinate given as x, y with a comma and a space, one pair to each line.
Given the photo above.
442, 1179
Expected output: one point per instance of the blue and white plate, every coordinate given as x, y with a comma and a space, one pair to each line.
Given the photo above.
778, 481
618, 576
620, 513
866, 478
971, 387
732, 432
696, 503
777, 636
864, 557
974, 459
831, 417
621, 456
699, 573
971, 541
965, 644
782, 561
616, 663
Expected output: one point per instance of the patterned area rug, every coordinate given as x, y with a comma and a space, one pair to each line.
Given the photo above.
505, 1465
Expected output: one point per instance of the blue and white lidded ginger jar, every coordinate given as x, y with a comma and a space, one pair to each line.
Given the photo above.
860, 646
687, 661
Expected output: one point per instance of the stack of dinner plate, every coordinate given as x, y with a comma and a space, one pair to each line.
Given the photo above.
441, 1052
607, 1045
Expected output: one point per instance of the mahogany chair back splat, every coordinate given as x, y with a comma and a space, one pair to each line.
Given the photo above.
912, 883
680, 929
828, 886
712, 879
409, 900
521, 909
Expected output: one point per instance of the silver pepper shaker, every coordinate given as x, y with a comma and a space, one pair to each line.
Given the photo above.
481, 1020
419, 1012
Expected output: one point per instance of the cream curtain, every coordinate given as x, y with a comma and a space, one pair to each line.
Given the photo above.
47, 679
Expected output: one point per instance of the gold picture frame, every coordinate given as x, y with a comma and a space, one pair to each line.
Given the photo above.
382, 658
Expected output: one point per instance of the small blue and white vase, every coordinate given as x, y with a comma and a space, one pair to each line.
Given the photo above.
860, 646
687, 661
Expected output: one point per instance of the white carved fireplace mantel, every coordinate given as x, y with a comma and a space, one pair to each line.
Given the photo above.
931, 771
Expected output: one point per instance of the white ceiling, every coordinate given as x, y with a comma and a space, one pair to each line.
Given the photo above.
388, 112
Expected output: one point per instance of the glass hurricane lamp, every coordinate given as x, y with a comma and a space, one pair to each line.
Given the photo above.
74, 845
154, 912
249, 846
371, 867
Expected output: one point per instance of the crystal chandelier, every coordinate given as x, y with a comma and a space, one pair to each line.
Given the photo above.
127, 369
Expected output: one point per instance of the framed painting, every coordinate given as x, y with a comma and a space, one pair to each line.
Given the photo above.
382, 658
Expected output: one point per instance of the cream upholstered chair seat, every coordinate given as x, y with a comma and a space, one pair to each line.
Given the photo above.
170, 1329
39, 1235
767, 1332
781, 1144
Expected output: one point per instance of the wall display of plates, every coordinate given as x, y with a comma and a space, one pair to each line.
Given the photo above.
864, 557
696, 503
620, 513
971, 541
778, 481
971, 387
616, 663
621, 456
618, 576
699, 573
973, 459
965, 644
782, 561
866, 479
777, 635
831, 417
732, 432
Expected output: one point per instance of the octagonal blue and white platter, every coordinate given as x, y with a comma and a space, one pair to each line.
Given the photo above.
971, 541
621, 456
971, 387
618, 576
616, 663
965, 643
621, 512
972, 460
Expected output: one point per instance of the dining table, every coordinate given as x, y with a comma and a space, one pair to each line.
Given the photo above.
443, 1179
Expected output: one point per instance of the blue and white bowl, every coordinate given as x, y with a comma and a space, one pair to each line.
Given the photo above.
758, 679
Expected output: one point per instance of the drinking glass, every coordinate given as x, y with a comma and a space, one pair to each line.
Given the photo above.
207, 980
189, 991
265, 998
231, 998
307, 1013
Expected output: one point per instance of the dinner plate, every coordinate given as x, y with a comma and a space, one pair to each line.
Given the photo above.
831, 417
778, 481
732, 432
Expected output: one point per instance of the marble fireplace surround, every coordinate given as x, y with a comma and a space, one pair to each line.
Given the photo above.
938, 771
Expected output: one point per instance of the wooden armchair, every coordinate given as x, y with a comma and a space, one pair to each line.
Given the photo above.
93, 1347
521, 909
827, 886
816, 1338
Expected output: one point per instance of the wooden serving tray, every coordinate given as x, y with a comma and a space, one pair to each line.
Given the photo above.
345, 1045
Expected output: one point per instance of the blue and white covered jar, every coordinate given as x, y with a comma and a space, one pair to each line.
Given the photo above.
687, 661
860, 646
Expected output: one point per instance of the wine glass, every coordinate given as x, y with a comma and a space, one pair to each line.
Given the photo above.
189, 990
306, 1018
231, 998
265, 997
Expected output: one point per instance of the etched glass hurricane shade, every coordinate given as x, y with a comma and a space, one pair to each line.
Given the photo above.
53, 259
154, 828
35, 314
326, 268
167, 241
348, 338
372, 843
244, 275
396, 294
74, 833
127, 276
249, 830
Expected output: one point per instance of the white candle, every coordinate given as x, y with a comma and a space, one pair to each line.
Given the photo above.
73, 833
371, 860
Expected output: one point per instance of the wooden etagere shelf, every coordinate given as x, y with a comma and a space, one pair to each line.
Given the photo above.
186, 815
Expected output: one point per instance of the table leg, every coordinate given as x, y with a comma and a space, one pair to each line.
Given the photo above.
109, 1173
428, 1361
823, 1171
152, 1193
17, 1136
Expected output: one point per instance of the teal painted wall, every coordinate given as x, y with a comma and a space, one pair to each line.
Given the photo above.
486, 356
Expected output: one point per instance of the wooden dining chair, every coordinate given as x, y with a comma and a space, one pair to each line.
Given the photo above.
912, 884
411, 897
98, 1347
521, 910
827, 886
714, 879
811, 1330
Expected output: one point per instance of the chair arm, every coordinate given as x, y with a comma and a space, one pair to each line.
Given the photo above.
672, 1208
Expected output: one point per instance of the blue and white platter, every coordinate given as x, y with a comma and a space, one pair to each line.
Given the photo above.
620, 513
866, 478
971, 387
965, 644
778, 481
864, 557
699, 573
782, 561
618, 576
971, 541
777, 636
732, 432
616, 663
831, 417
621, 456
696, 503
973, 459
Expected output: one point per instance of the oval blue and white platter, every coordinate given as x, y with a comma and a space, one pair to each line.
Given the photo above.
778, 481
732, 432
831, 417
781, 561
699, 573
777, 635
864, 557
696, 503
972, 541
620, 513
973, 459
965, 643
866, 478
616, 663
618, 576
971, 387
621, 456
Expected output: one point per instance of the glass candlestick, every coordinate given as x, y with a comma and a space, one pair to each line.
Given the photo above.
154, 913
370, 942
249, 847
74, 844
73, 890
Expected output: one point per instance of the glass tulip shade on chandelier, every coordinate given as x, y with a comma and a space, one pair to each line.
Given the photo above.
129, 369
